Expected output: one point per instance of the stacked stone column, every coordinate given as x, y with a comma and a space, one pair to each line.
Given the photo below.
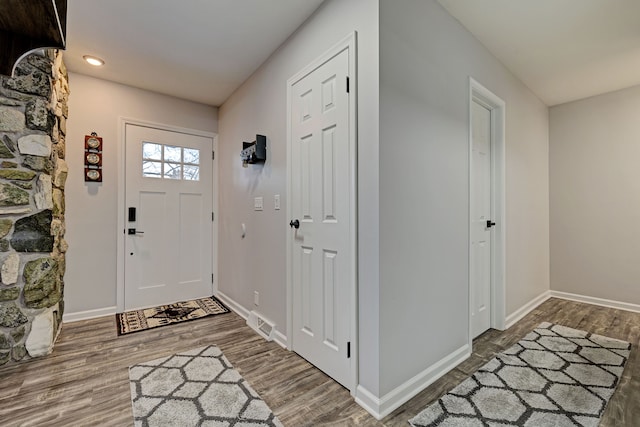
33, 114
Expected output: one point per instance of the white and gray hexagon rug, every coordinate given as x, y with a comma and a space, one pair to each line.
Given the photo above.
555, 376
198, 387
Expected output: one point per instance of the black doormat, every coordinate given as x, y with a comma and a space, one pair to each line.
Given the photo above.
149, 318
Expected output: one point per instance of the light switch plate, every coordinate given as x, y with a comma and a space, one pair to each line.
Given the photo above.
257, 204
276, 202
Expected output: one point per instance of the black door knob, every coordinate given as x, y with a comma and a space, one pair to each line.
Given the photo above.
294, 224
490, 224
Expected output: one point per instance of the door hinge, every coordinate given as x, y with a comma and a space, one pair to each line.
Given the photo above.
213, 216
349, 350
213, 155
211, 277
347, 84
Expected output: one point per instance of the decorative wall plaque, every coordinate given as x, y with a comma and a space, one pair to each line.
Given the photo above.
92, 158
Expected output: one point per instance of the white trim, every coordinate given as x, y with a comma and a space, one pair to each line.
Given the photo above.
121, 166
526, 309
215, 188
597, 301
381, 407
233, 305
237, 308
484, 96
88, 314
60, 30
348, 43
280, 338
369, 402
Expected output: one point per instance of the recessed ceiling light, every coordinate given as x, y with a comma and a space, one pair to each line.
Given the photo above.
94, 60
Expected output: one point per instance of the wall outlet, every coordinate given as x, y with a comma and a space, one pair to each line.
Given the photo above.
256, 298
257, 204
276, 202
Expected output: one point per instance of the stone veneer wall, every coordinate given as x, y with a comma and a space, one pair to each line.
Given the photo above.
33, 114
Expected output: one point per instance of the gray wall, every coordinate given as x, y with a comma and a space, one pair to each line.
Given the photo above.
426, 58
95, 106
258, 262
594, 203
414, 61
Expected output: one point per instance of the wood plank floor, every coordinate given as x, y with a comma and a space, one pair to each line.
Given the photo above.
85, 381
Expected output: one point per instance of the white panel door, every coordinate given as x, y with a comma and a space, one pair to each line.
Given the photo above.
169, 183
480, 213
320, 201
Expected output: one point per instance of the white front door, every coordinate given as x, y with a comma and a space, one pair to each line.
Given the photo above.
168, 242
480, 219
322, 264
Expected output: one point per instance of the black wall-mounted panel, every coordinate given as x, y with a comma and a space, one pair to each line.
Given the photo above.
261, 147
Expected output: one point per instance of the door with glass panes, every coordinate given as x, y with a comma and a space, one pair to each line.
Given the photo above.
168, 241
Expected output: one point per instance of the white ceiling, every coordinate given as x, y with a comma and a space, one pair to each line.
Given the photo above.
200, 50
562, 50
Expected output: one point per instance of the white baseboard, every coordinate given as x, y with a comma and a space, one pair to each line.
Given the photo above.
368, 401
597, 301
233, 305
88, 314
278, 336
526, 309
383, 406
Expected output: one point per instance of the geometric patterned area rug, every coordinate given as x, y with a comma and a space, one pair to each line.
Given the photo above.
555, 376
195, 388
141, 320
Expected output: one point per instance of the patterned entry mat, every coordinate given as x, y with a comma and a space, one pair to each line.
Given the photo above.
555, 376
141, 320
198, 387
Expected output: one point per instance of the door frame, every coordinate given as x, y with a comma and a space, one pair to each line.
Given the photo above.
348, 43
497, 106
121, 223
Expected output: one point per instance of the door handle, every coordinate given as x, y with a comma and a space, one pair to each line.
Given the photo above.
490, 223
133, 232
294, 224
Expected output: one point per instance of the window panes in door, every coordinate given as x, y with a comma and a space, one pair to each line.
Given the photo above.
170, 162
172, 170
191, 171
151, 151
172, 154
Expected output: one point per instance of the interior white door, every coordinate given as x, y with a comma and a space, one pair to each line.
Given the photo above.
169, 184
320, 201
480, 219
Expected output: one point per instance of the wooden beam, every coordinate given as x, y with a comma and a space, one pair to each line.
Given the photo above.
27, 25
